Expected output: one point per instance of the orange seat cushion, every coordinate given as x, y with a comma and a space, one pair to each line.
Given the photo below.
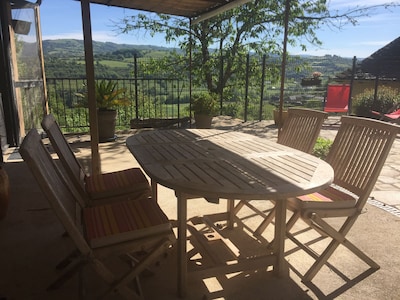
123, 221
116, 183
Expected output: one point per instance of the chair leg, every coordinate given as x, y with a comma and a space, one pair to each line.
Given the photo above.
230, 213
67, 260
293, 219
154, 190
238, 207
323, 258
261, 228
233, 210
338, 239
81, 284
76, 267
120, 285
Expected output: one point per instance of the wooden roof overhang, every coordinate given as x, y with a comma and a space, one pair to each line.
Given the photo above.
186, 8
195, 10
192, 9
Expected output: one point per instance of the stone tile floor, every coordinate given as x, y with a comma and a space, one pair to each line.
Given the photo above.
31, 242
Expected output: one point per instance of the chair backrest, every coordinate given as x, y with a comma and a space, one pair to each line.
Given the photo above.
337, 98
359, 152
61, 197
66, 155
301, 129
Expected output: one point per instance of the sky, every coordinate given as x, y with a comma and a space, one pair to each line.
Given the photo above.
62, 19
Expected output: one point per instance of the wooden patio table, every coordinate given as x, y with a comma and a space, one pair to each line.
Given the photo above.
231, 165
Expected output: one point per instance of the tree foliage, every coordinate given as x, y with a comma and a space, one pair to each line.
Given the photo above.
218, 44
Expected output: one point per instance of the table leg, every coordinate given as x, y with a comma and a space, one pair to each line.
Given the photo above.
182, 255
154, 191
230, 213
281, 267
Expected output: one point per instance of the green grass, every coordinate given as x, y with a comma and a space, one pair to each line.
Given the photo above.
114, 64
155, 54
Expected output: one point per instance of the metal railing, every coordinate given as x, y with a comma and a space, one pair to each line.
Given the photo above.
150, 98
164, 97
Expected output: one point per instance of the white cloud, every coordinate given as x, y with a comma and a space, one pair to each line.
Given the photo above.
105, 36
345, 4
100, 36
65, 35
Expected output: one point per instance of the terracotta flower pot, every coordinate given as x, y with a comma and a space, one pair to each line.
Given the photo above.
203, 121
107, 120
285, 114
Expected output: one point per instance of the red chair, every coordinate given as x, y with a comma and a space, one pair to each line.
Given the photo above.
393, 116
337, 98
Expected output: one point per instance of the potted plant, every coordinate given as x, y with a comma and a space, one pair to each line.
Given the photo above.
313, 80
205, 107
277, 120
108, 97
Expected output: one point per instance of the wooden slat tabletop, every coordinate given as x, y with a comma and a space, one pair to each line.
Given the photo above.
227, 164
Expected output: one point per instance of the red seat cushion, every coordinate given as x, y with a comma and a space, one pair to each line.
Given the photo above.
123, 221
116, 183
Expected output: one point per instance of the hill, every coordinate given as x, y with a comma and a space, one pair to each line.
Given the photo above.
67, 48
65, 58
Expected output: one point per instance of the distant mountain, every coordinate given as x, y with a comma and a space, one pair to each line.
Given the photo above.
66, 48
65, 58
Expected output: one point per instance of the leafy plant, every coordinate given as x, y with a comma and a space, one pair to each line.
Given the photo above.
205, 103
260, 28
232, 109
321, 148
107, 94
386, 98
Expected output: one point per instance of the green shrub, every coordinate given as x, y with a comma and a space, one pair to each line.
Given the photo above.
315, 104
386, 98
321, 148
231, 109
205, 103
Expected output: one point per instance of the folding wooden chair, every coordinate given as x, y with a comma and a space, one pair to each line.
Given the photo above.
299, 131
357, 156
97, 188
123, 227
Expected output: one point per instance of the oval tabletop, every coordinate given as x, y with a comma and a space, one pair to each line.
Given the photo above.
227, 164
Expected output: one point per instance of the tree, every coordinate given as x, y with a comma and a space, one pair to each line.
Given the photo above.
217, 44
